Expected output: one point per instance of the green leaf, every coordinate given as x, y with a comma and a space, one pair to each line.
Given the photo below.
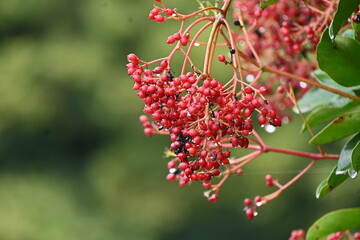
356, 27
324, 78
355, 157
333, 180
346, 159
317, 97
339, 128
334, 222
345, 8
339, 59
264, 4
324, 114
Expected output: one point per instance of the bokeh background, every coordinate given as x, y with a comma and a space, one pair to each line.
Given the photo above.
74, 163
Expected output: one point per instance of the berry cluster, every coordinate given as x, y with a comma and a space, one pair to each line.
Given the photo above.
251, 206
158, 14
199, 115
288, 37
297, 234
205, 117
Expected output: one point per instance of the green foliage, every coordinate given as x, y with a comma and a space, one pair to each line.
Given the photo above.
345, 8
328, 184
264, 4
339, 59
350, 155
333, 222
341, 127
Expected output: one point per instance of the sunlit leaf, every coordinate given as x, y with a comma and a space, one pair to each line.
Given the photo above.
333, 222
341, 127
325, 114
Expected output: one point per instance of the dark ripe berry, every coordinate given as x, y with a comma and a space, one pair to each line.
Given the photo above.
171, 177
232, 51
216, 172
221, 58
237, 23
247, 202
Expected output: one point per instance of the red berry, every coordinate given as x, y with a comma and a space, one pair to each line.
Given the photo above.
257, 199
169, 11
249, 213
221, 58
171, 177
148, 131
213, 198
247, 202
159, 18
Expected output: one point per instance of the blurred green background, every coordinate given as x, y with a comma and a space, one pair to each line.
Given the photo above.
74, 163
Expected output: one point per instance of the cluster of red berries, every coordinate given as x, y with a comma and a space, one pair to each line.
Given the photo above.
288, 31
251, 206
297, 235
183, 38
158, 14
199, 115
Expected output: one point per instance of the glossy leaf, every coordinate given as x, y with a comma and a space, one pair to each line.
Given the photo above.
328, 184
333, 222
341, 127
325, 114
355, 157
264, 4
346, 159
340, 59
345, 8
325, 79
